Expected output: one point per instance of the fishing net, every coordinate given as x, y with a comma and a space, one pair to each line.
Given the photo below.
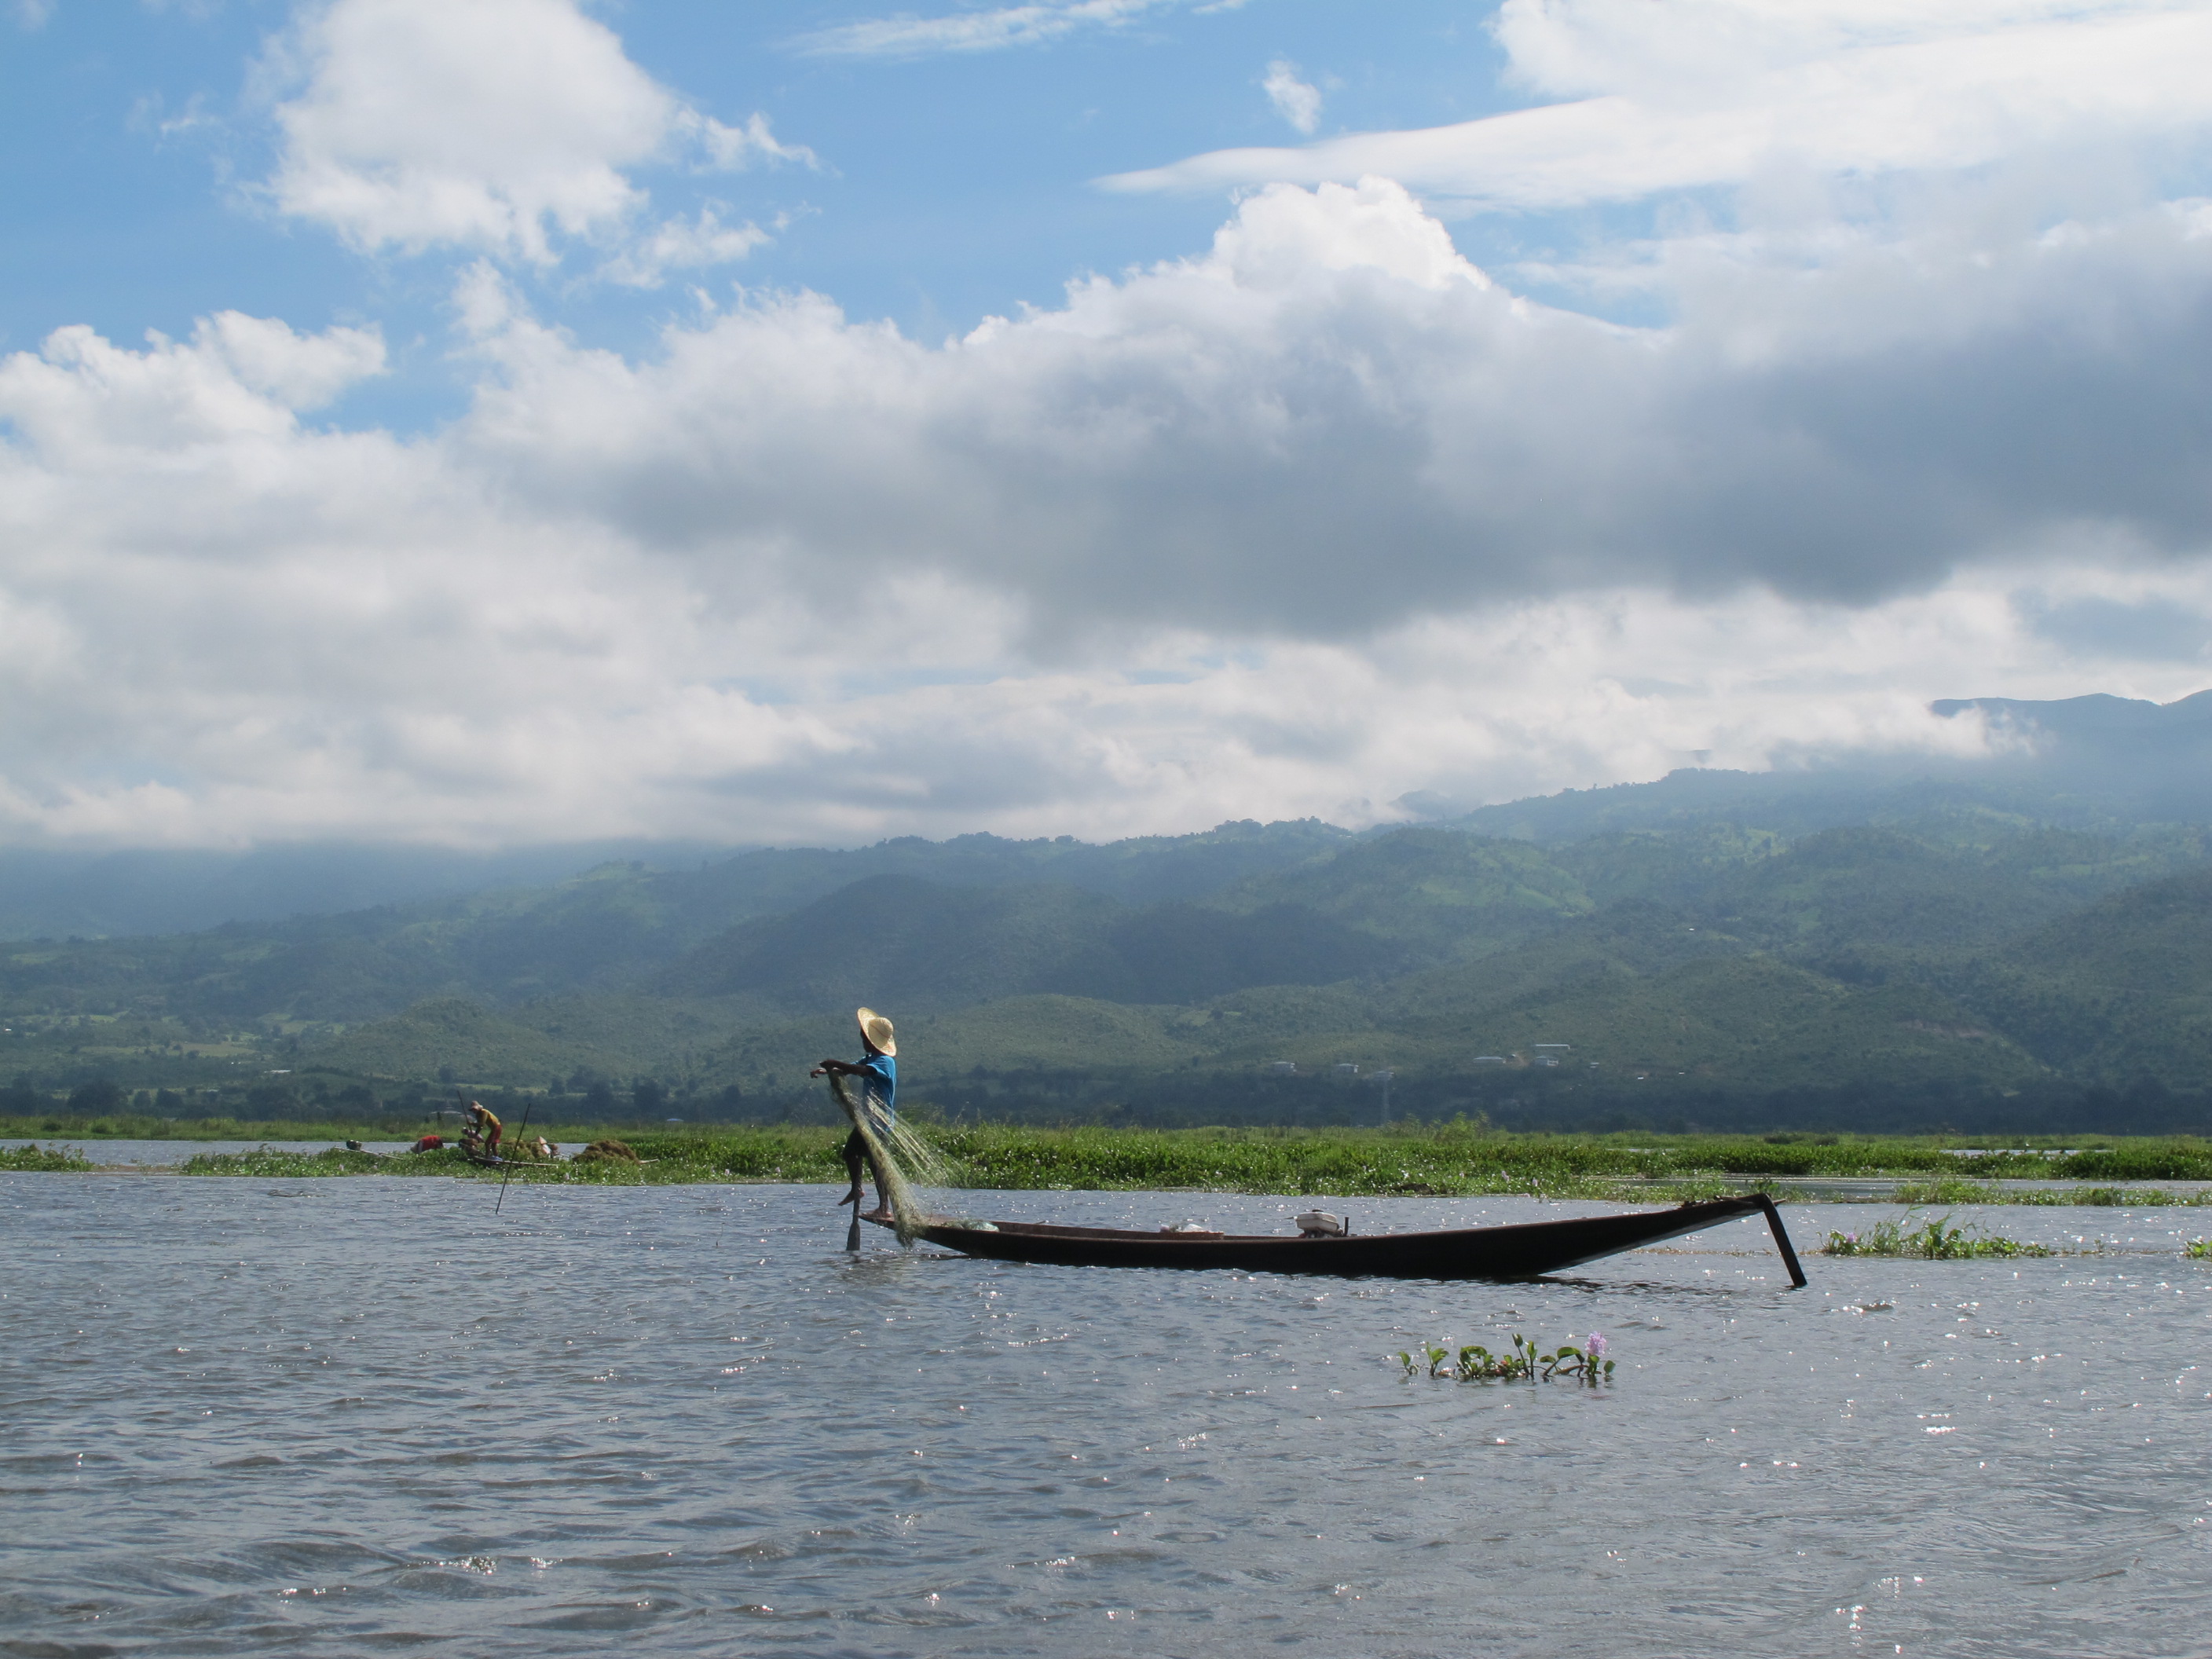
904, 1161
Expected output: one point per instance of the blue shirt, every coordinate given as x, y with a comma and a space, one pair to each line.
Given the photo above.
879, 1086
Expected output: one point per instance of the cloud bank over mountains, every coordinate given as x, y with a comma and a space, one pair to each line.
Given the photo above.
1308, 521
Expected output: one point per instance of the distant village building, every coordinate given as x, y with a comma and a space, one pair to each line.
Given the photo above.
1490, 1059
1345, 1069
1283, 1067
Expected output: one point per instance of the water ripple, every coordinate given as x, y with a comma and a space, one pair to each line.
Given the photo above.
377, 1416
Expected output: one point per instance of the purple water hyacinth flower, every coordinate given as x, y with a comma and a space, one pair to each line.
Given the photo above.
1596, 1346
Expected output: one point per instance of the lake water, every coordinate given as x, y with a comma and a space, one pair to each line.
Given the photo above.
137, 1154
352, 1416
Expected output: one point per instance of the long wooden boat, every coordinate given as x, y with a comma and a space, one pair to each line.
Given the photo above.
1519, 1251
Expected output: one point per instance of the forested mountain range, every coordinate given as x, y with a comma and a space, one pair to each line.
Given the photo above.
1713, 937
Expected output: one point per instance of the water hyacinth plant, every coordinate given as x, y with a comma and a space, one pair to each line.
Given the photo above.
1523, 1363
54, 1160
2198, 1249
1932, 1241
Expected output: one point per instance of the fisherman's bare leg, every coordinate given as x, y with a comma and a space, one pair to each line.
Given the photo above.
856, 1148
883, 1210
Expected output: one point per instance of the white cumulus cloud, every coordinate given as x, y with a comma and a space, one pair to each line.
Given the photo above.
682, 244
1315, 519
1297, 102
1333, 421
83, 400
1718, 92
990, 30
736, 147
494, 125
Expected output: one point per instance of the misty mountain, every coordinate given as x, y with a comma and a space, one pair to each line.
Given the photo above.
594, 912
926, 947
54, 893
1951, 937
2100, 763
574, 912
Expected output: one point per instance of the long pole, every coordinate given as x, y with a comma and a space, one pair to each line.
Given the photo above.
1781, 1240
509, 1176
845, 1104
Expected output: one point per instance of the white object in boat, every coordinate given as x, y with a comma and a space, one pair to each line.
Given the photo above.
1320, 1223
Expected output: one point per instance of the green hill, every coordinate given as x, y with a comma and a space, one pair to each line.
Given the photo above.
1435, 894
1967, 949
897, 939
467, 1041
2155, 938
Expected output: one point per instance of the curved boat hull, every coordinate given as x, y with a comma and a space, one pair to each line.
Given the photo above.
1521, 1251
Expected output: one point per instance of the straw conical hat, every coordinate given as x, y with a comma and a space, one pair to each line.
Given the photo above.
877, 1031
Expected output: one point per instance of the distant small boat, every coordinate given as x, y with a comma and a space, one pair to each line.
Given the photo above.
1520, 1251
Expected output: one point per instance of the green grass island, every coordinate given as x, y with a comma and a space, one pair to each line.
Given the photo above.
1452, 1159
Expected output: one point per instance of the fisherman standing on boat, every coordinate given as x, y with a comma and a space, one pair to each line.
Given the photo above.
481, 1138
877, 1076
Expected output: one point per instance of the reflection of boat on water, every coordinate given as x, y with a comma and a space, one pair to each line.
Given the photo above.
1517, 1251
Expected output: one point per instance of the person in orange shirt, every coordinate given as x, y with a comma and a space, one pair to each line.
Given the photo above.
483, 1131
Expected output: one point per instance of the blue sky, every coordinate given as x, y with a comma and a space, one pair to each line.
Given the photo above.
951, 184
503, 420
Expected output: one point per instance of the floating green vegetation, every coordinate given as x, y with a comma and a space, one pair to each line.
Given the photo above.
2107, 1198
1930, 1241
1011, 1159
1297, 1162
2198, 1249
607, 1151
338, 1161
1956, 1192
2130, 1197
43, 1159
1522, 1362
1447, 1160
